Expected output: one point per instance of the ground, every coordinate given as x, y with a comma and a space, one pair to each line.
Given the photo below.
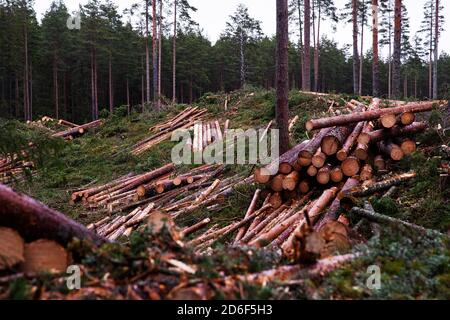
413, 266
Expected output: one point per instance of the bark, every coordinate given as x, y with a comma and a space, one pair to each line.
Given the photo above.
55, 85
397, 49
110, 85
147, 53
355, 47
350, 142
251, 209
316, 51
33, 220
307, 153
154, 53
436, 51
375, 62
174, 54
78, 130
196, 227
344, 120
300, 42
333, 141
45, 256
383, 134
282, 111
160, 35
306, 83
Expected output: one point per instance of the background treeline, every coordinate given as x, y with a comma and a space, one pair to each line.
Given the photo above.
47, 68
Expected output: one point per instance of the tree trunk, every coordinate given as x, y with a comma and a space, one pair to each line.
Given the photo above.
316, 53
282, 75
361, 60
300, 42
26, 99
160, 35
306, 85
55, 85
154, 53
110, 86
147, 54
436, 52
174, 54
355, 47
366, 116
33, 220
128, 98
397, 49
242, 59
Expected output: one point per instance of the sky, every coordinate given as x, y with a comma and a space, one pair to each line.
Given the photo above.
213, 14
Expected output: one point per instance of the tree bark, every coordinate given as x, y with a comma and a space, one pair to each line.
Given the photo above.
282, 111
160, 35
366, 116
154, 53
436, 52
355, 47
397, 49
306, 83
55, 85
174, 54
300, 42
375, 62
147, 53
34, 221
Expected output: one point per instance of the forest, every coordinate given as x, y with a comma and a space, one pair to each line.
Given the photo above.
140, 160
157, 52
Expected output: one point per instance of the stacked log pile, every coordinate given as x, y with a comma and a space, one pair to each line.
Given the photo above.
163, 131
177, 196
14, 170
304, 189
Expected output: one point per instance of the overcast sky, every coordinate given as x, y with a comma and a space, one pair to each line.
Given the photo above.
213, 14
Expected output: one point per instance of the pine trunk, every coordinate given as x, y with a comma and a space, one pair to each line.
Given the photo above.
397, 49
355, 47
174, 54
306, 85
282, 111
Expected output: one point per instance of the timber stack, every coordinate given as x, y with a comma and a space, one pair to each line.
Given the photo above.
186, 120
13, 169
307, 188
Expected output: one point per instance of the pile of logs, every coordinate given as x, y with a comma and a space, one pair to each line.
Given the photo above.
14, 170
75, 130
307, 187
63, 128
163, 131
208, 133
33, 237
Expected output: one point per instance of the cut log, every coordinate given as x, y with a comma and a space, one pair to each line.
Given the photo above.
379, 135
263, 175
333, 141
350, 142
11, 248
392, 150
290, 181
336, 175
366, 173
319, 159
408, 146
306, 154
388, 120
407, 118
304, 186
312, 215
67, 124
44, 256
350, 166
364, 137
78, 130
277, 183
276, 200
250, 210
380, 218
332, 213
379, 162
323, 175
368, 190
34, 221
312, 171
196, 227
362, 151
367, 116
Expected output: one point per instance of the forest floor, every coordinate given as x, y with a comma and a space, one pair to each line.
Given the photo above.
413, 266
